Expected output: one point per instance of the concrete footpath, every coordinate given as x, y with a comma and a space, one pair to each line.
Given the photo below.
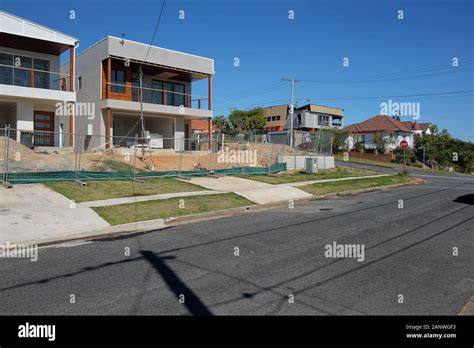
258, 192
35, 212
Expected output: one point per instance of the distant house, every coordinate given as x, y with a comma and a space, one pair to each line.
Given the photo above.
393, 131
418, 128
199, 127
305, 118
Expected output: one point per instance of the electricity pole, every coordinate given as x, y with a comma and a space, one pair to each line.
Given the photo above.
292, 106
140, 76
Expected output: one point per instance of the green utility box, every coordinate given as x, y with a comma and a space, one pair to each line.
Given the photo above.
311, 165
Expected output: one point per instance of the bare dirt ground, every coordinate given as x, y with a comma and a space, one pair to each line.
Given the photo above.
23, 159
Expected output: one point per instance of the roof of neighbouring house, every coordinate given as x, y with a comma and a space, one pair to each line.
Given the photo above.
424, 126
202, 125
322, 109
379, 123
417, 126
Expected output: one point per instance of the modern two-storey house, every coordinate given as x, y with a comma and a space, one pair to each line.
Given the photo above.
309, 117
108, 80
31, 85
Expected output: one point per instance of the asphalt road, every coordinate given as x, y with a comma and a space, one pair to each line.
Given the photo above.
408, 251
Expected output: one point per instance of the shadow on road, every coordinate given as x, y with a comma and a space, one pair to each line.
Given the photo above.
194, 305
466, 199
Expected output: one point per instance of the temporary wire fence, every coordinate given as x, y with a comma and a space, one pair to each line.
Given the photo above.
38, 156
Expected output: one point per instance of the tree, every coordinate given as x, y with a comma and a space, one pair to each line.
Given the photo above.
443, 151
243, 121
380, 142
338, 140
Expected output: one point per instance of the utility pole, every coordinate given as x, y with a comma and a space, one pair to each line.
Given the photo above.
292, 106
140, 77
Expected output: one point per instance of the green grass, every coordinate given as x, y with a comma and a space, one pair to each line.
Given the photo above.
366, 161
105, 189
296, 177
348, 185
166, 208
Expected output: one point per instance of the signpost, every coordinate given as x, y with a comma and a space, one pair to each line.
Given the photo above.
404, 145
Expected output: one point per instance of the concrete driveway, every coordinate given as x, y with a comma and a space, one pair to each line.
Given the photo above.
255, 191
33, 212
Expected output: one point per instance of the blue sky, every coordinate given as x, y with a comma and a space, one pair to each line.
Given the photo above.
311, 47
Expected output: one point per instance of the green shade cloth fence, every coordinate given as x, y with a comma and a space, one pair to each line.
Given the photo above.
35, 177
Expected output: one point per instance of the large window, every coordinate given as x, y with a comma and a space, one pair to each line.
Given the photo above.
174, 93
41, 76
118, 81
156, 92
178, 95
17, 70
324, 120
6, 72
22, 72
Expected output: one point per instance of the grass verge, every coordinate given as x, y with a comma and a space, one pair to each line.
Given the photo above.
106, 189
283, 178
366, 161
349, 185
166, 208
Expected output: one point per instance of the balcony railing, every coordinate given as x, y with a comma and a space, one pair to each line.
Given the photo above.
34, 78
157, 96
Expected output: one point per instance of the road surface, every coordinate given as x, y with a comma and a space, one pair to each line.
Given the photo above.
408, 266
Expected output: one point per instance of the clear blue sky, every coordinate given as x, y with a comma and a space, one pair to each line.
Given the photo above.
310, 47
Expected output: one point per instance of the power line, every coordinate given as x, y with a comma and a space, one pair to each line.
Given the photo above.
156, 29
392, 96
408, 75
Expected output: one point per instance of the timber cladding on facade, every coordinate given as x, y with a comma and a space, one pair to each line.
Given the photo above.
276, 117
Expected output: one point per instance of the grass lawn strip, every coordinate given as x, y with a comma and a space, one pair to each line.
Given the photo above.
106, 189
349, 185
171, 207
284, 178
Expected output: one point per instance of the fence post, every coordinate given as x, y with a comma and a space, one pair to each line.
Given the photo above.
210, 153
6, 152
78, 144
181, 150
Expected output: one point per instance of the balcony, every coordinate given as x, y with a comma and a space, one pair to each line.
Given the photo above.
30, 77
164, 90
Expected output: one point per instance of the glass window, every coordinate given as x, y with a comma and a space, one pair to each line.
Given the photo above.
156, 92
135, 89
118, 81
6, 73
42, 78
22, 73
179, 95
168, 87
6, 59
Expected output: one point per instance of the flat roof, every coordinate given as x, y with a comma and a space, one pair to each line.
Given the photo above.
11, 25
138, 52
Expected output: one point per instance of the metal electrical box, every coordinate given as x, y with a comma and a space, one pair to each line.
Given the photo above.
311, 165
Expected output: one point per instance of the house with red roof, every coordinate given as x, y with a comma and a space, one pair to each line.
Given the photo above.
393, 131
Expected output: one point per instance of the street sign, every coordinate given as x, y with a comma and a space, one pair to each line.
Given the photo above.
403, 144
